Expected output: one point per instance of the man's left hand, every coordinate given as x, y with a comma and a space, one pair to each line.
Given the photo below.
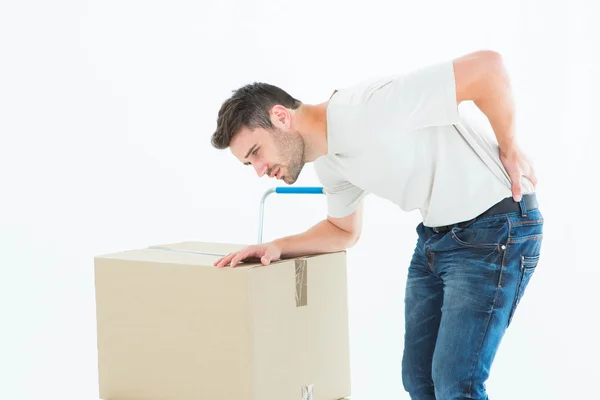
517, 165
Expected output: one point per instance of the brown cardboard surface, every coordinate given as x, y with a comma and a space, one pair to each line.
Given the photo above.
173, 326
301, 345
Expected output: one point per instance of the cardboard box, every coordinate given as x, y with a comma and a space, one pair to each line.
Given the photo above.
171, 326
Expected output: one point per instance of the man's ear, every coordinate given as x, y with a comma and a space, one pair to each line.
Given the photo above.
281, 116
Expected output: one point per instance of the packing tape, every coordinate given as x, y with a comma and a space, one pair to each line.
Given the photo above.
301, 282
307, 392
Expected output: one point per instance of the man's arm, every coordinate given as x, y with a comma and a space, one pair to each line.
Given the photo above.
328, 236
482, 77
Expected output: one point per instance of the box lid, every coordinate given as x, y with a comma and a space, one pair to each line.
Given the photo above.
190, 253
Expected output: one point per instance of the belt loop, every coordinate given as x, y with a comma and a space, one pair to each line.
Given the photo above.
523, 207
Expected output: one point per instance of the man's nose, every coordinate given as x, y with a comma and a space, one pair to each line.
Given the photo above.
260, 168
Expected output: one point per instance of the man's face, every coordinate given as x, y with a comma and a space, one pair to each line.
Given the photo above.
276, 153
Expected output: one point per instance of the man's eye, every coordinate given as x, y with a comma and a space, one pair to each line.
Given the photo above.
255, 152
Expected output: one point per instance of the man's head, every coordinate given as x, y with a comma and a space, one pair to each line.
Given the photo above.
256, 124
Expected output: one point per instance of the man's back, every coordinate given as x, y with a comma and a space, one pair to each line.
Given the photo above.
402, 138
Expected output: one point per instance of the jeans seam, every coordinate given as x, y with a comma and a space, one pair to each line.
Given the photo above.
531, 222
514, 302
524, 239
487, 327
481, 246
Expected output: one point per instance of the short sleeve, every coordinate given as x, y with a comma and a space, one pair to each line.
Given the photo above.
343, 198
418, 99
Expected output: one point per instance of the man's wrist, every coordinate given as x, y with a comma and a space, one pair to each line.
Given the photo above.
280, 244
508, 149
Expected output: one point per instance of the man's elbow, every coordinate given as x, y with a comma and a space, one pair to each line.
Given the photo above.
492, 56
492, 63
484, 60
353, 239
477, 73
495, 74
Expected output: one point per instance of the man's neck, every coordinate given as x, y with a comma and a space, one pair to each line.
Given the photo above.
311, 123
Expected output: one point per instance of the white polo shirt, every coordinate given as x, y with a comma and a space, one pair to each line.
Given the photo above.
402, 138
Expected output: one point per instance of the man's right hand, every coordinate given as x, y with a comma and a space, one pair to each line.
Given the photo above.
328, 236
265, 253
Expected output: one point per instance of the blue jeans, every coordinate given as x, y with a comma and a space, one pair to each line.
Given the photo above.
462, 290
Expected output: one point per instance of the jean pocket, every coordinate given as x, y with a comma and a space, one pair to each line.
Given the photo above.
526, 229
528, 266
483, 234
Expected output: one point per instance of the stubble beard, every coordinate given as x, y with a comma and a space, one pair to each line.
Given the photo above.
292, 149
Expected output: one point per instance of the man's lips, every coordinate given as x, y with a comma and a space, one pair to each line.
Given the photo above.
275, 173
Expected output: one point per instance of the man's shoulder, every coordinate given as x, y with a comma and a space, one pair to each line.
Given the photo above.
360, 91
350, 115
323, 163
325, 169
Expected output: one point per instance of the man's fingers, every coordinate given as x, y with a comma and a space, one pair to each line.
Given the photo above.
266, 259
218, 261
235, 260
532, 177
252, 254
516, 187
225, 260
241, 256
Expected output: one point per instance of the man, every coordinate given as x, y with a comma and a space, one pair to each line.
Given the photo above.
402, 138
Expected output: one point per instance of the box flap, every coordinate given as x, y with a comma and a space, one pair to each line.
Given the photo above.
221, 249
189, 253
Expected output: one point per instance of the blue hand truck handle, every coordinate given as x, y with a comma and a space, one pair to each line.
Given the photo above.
282, 190
299, 190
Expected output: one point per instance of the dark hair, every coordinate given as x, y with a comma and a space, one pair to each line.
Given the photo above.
249, 106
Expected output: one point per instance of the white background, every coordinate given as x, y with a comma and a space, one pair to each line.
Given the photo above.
106, 112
